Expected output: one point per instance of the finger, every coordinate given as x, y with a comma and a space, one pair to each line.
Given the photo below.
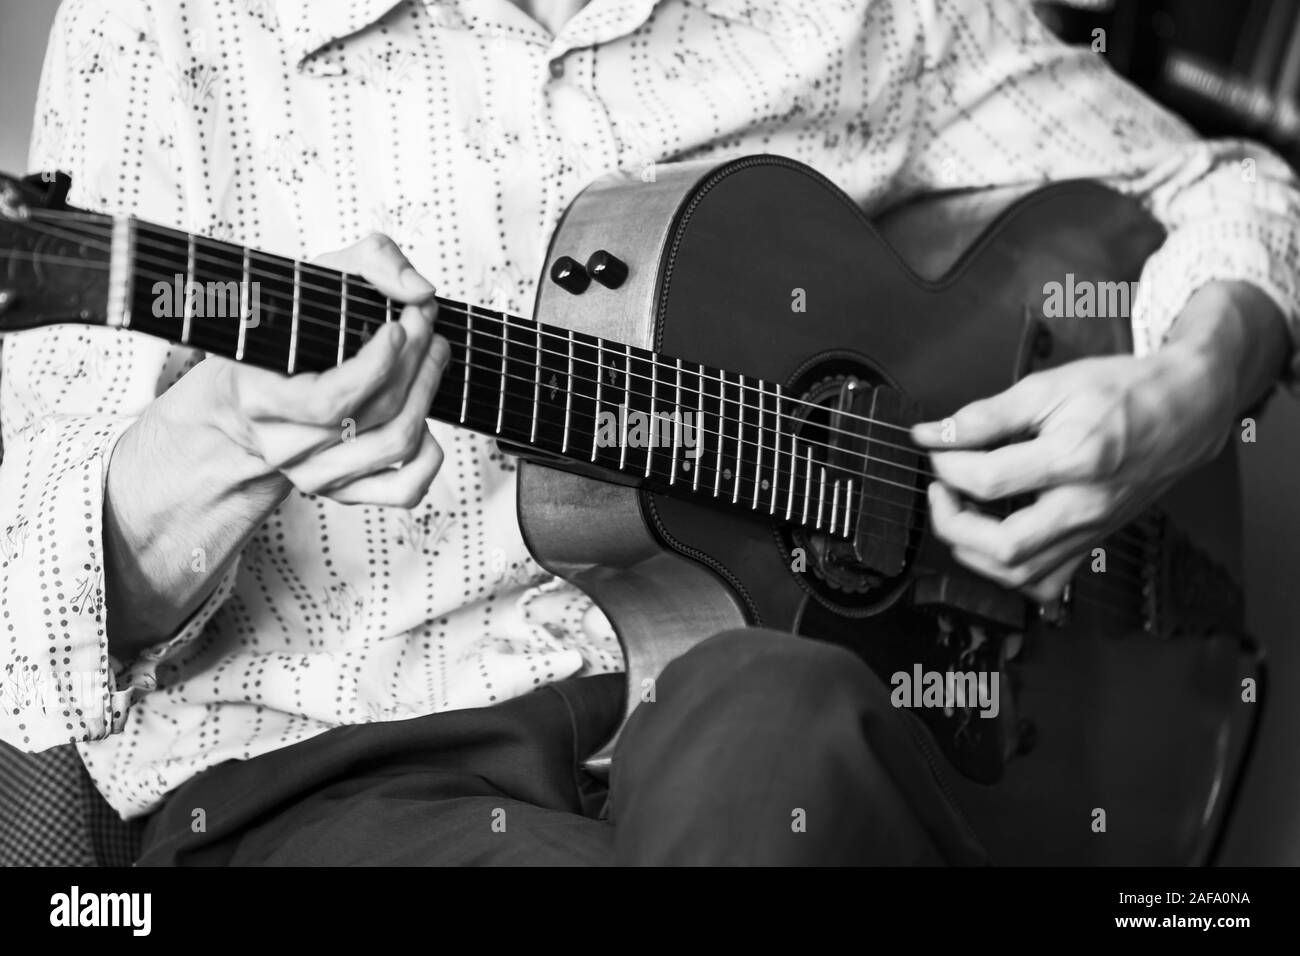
1058, 513
961, 527
1020, 539
1041, 463
403, 487
326, 398
1052, 586
380, 261
988, 420
1027, 576
389, 401
283, 445
382, 448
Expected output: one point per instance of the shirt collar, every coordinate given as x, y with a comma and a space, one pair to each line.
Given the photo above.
310, 25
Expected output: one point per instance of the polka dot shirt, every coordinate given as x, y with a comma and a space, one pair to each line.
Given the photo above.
462, 128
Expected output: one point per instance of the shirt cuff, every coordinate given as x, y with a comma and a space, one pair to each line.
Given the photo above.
134, 680
58, 683
1190, 260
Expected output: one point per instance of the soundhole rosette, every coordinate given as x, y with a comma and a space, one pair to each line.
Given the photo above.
824, 564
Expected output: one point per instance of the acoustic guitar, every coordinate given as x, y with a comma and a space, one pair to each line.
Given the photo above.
711, 410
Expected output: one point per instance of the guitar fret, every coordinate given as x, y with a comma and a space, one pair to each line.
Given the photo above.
699, 431
848, 504
501, 386
677, 424
469, 360
654, 395
722, 417
568, 398
821, 497
835, 506
776, 450
121, 272
740, 438
758, 462
537, 381
622, 438
243, 310
187, 320
794, 474
297, 310
807, 488
343, 316
600, 387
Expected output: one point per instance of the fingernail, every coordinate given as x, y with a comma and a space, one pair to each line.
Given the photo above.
417, 285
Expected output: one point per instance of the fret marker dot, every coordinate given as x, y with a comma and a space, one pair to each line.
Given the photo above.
727, 474
686, 466
765, 484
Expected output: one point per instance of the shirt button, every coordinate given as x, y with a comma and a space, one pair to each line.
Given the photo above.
557, 69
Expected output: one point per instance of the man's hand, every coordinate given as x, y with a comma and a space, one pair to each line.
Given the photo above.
211, 457
356, 433
1097, 440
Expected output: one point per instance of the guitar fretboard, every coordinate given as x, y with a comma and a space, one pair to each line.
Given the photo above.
679, 426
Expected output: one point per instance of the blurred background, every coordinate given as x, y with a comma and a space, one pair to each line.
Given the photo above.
1232, 69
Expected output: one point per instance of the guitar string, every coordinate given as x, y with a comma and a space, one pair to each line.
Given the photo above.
724, 438
1098, 582
776, 413
365, 328
724, 401
1128, 535
333, 295
1134, 536
751, 482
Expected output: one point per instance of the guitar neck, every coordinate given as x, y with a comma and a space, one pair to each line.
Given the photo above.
626, 412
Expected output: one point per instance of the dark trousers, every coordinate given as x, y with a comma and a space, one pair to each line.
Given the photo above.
758, 748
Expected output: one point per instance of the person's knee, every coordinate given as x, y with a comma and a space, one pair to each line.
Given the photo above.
766, 667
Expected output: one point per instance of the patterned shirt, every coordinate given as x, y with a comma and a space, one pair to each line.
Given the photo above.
462, 128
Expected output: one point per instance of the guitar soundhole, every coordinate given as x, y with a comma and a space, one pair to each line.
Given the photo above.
842, 417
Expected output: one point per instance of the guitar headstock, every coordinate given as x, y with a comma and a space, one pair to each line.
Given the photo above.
54, 260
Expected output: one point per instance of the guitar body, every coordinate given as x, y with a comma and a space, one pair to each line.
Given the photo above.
1121, 729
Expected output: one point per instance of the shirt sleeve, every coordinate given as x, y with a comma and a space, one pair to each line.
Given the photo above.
67, 394
1003, 102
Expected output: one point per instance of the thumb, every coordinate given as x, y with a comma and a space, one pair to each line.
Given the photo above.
984, 422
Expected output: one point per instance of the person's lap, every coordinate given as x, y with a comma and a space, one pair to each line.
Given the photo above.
757, 748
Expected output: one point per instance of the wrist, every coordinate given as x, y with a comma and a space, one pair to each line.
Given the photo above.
1233, 335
